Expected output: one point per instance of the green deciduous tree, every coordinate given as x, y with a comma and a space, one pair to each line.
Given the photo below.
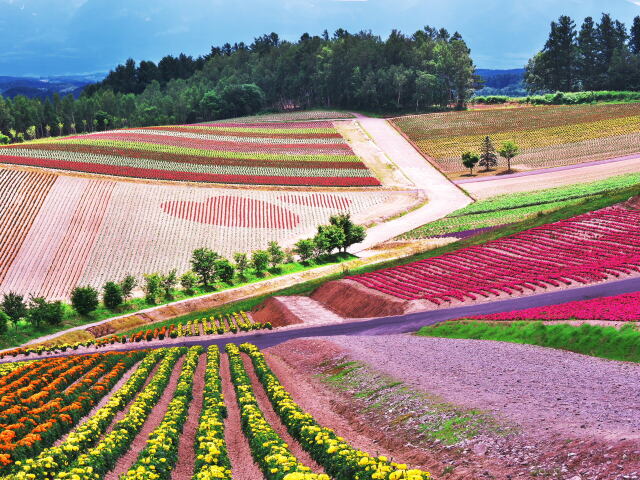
152, 287
14, 306
203, 263
41, 311
508, 150
329, 238
127, 285
242, 263
260, 261
84, 299
188, 281
225, 270
276, 254
305, 249
470, 160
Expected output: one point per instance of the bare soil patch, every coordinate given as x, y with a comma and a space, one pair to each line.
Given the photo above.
575, 411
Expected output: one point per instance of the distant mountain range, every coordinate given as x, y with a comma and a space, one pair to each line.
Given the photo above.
502, 82
43, 87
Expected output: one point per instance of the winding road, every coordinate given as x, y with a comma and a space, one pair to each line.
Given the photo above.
402, 323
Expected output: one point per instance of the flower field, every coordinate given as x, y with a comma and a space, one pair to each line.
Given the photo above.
619, 308
547, 136
293, 153
588, 248
60, 231
160, 390
514, 207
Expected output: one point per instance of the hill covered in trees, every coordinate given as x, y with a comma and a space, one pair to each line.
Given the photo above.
429, 68
600, 56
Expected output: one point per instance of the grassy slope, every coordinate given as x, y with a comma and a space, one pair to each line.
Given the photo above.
597, 341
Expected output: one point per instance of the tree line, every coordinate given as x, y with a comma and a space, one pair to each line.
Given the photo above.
207, 268
602, 55
430, 68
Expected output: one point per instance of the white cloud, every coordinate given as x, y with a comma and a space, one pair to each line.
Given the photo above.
635, 2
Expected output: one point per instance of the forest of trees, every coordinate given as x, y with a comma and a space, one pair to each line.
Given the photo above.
430, 68
600, 56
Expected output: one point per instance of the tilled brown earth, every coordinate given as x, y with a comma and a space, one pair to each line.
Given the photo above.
242, 464
186, 447
578, 417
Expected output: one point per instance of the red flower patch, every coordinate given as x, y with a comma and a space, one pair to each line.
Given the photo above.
230, 211
319, 200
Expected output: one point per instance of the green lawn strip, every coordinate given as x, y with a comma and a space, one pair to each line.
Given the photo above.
428, 415
27, 332
594, 340
170, 149
510, 208
304, 288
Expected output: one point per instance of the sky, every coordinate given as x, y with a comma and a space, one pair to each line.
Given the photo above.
58, 37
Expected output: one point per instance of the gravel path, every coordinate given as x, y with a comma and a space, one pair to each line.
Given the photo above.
153, 421
543, 389
444, 197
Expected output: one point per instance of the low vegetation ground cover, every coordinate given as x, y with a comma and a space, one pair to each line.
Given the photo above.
598, 341
547, 136
511, 208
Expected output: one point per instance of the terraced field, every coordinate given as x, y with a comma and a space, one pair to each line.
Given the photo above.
266, 153
63, 231
547, 136
170, 413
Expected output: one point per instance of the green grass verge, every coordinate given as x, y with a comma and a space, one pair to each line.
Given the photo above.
26, 332
510, 208
597, 341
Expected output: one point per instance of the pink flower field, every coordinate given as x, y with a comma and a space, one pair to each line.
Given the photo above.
620, 308
581, 250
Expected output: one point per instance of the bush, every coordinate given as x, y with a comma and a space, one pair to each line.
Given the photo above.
40, 311
127, 285
305, 248
260, 261
276, 254
188, 281
112, 295
224, 270
152, 287
4, 322
203, 264
84, 299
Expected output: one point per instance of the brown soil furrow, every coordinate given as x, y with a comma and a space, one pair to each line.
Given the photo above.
186, 446
274, 420
153, 421
18, 218
103, 401
120, 415
242, 465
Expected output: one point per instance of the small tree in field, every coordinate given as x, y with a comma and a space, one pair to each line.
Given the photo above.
488, 157
188, 281
41, 311
470, 160
203, 263
14, 306
305, 248
260, 261
152, 287
112, 295
84, 300
352, 233
225, 270
508, 151
127, 285
242, 263
276, 254
329, 238
4, 321
169, 281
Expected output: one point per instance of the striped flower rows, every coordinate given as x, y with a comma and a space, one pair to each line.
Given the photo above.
547, 136
278, 154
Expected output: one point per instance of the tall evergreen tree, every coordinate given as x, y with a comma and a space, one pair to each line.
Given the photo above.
587, 60
634, 38
610, 36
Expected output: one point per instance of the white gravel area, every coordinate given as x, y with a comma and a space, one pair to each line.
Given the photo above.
542, 389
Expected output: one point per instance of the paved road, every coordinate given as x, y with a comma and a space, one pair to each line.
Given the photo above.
443, 196
412, 322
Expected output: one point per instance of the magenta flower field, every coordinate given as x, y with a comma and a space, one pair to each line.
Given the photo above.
620, 308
